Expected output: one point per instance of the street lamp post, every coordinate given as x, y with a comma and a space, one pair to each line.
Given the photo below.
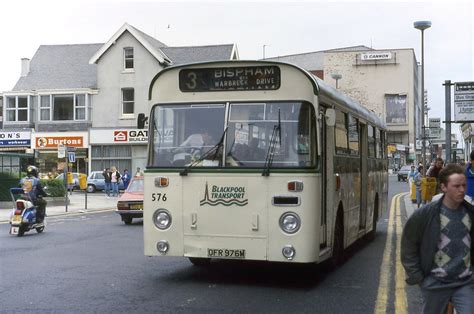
422, 25
264, 51
337, 77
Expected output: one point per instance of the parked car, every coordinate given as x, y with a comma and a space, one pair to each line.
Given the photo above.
70, 187
403, 173
130, 203
96, 182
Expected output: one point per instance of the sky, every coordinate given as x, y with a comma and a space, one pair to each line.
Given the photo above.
284, 27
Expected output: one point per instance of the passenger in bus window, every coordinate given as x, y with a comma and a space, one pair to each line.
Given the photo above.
196, 141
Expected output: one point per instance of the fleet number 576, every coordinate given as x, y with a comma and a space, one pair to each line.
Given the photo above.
156, 197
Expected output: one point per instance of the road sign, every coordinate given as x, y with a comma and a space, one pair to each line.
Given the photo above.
71, 156
464, 101
61, 151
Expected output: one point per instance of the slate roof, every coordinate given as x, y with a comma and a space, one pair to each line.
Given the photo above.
61, 67
181, 55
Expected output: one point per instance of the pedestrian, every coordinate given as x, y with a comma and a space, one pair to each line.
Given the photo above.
139, 173
417, 181
469, 171
433, 172
114, 179
125, 178
107, 182
436, 249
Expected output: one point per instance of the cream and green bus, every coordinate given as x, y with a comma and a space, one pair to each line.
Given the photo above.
256, 160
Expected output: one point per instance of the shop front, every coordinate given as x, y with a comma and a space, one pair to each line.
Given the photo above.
46, 146
120, 148
15, 151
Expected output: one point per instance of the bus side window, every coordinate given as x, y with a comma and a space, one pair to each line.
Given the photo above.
341, 132
371, 141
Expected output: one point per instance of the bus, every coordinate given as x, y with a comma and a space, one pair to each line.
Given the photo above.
259, 160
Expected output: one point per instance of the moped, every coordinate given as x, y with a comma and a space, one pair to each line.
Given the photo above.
23, 217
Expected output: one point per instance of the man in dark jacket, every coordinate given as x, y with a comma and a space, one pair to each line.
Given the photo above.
107, 181
436, 249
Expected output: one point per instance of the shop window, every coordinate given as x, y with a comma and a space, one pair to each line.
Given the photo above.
119, 156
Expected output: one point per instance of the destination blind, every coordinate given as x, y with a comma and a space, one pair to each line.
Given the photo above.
230, 79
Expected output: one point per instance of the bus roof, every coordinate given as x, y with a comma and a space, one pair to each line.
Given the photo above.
320, 88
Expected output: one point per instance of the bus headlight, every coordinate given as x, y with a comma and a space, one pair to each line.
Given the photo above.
290, 222
162, 246
162, 219
288, 252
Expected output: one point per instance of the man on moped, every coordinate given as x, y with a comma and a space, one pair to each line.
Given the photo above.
32, 187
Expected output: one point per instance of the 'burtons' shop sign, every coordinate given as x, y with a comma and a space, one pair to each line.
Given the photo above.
55, 141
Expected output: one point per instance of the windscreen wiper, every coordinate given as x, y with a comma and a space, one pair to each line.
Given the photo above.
271, 147
214, 151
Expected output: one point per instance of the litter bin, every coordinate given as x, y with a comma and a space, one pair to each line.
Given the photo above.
428, 189
70, 178
413, 192
82, 181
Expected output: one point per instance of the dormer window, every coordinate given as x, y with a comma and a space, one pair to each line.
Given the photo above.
128, 58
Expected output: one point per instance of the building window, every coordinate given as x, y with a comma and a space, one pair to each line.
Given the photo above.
63, 107
128, 100
16, 109
80, 107
45, 108
128, 58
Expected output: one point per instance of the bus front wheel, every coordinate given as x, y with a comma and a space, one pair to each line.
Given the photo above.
338, 243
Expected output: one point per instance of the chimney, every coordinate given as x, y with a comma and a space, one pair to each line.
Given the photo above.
25, 66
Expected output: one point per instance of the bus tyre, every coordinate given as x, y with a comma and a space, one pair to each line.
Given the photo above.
338, 244
198, 261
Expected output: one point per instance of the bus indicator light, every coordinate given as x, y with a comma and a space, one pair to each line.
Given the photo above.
161, 182
295, 186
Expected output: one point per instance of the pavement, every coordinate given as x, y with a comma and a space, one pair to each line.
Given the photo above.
77, 204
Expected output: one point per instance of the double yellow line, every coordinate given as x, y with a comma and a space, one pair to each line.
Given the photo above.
387, 267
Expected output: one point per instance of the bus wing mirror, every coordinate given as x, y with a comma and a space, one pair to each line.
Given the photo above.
330, 116
141, 120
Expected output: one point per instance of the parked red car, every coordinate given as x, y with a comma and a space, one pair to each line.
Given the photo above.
130, 203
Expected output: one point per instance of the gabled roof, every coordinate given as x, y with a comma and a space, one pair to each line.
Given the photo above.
150, 43
60, 67
192, 54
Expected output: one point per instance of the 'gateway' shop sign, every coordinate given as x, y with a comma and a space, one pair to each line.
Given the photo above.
119, 136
